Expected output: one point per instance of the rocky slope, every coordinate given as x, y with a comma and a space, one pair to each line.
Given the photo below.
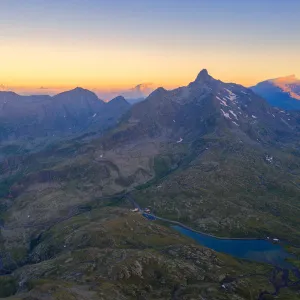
283, 92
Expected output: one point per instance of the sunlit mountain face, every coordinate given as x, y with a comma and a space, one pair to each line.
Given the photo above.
283, 92
289, 84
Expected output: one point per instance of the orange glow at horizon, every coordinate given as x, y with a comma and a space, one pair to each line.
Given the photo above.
109, 46
61, 66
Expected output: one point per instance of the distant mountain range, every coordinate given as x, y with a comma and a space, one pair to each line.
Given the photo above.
283, 92
67, 113
80, 110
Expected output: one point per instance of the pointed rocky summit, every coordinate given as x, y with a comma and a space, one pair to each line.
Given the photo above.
203, 76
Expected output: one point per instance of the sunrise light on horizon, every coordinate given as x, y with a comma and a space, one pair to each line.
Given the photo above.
50, 46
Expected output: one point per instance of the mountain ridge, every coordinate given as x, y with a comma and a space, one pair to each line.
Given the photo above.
66, 113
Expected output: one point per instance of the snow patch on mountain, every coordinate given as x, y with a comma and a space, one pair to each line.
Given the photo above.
226, 115
232, 96
222, 101
233, 114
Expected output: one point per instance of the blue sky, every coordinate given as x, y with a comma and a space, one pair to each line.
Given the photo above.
154, 17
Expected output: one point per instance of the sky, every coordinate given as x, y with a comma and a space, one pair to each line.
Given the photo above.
52, 45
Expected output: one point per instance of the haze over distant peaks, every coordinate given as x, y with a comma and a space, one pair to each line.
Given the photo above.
143, 87
139, 92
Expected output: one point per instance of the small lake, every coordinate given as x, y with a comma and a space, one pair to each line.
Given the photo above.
257, 250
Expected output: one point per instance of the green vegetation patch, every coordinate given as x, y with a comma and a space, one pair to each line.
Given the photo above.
8, 286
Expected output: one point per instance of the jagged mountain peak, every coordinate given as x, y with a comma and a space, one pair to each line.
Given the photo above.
203, 81
203, 76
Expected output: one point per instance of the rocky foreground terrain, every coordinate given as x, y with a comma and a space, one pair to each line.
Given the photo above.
110, 253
